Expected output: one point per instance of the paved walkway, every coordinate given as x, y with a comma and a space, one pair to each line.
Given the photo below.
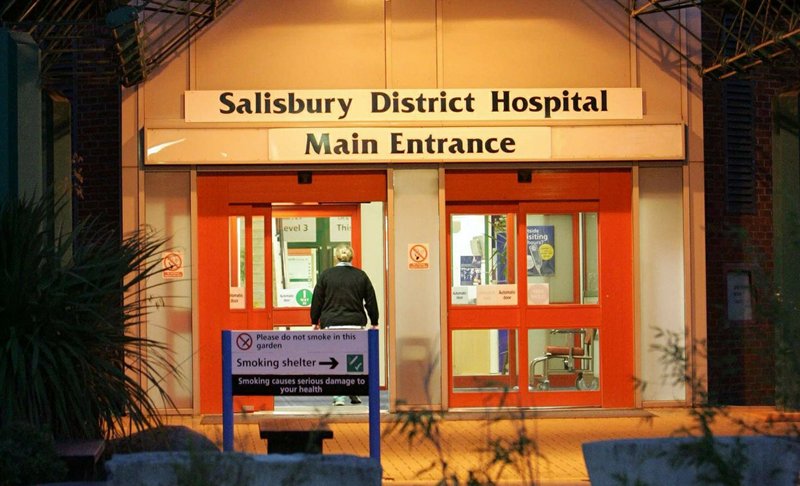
555, 438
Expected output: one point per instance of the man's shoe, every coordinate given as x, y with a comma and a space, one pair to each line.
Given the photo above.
338, 402
355, 400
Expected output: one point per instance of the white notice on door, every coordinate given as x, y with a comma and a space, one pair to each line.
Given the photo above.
237, 297
505, 294
460, 296
299, 230
340, 228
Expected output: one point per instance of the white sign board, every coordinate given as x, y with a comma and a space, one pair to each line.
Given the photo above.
460, 296
299, 271
501, 294
413, 105
299, 229
340, 228
328, 362
236, 295
409, 144
295, 297
234, 144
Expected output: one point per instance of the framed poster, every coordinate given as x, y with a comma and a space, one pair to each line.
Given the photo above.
541, 250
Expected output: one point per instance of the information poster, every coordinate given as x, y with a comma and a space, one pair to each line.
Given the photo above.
541, 250
470, 270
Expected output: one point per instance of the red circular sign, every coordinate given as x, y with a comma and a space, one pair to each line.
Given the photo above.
172, 261
418, 253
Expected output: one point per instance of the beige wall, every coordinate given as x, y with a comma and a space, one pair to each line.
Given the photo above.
423, 44
339, 44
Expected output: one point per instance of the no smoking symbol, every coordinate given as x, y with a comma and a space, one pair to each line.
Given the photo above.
173, 261
418, 253
244, 341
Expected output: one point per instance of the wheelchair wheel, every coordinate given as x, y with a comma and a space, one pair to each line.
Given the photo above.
582, 384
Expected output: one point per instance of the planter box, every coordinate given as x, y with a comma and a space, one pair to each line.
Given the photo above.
236, 469
669, 461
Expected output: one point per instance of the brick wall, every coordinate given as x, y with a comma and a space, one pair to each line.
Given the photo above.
96, 138
741, 355
97, 142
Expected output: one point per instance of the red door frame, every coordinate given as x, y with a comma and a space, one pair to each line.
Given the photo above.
462, 317
253, 193
563, 316
610, 193
300, 316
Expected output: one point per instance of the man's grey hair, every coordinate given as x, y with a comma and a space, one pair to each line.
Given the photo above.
343, 253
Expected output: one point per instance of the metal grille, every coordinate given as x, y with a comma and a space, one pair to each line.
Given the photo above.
740, 180
89, 41
761, 31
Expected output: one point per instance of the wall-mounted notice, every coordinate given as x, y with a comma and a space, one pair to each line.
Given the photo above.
172, 264
419, 255
740, 303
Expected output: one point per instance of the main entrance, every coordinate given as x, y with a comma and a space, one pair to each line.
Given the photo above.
540, 308
263, 240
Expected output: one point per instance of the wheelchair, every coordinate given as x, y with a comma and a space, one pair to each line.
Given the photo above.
583, 355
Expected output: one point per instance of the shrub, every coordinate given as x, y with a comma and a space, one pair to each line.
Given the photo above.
70, 304
28, 456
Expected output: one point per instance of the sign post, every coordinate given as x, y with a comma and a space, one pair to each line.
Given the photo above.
300, 363
227, 395
374, 397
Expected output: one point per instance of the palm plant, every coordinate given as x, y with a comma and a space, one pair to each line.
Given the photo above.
71, 357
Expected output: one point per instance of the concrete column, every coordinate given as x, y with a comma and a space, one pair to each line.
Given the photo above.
417, 315
21, 162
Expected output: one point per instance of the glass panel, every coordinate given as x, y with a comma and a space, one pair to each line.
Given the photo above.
483, 259
549, 255
301, 249
259, 264
563, 359
237, 259
590, 276
484, 359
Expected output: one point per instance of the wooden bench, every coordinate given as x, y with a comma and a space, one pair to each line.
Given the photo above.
80, 456
294, 436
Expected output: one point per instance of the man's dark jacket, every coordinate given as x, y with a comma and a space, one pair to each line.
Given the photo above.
341, 294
